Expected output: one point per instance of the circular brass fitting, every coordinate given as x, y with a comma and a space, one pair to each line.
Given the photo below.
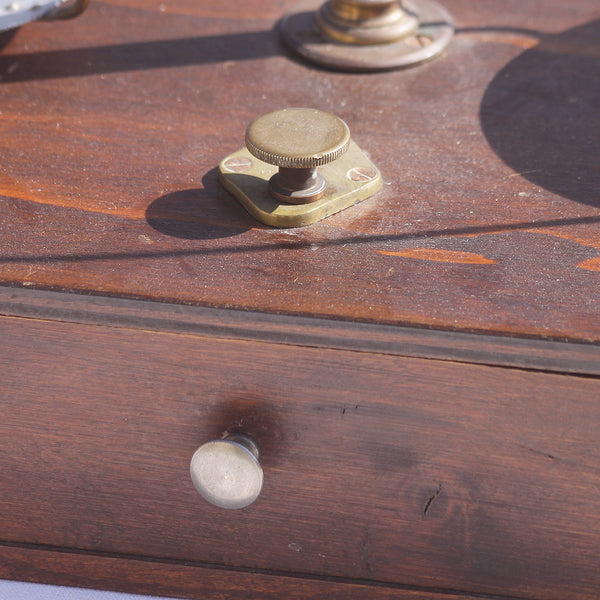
367, 35
365, 21
297, 140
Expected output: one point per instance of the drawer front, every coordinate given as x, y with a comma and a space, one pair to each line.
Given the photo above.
406, 471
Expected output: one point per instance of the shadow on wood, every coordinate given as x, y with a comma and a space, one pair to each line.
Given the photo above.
540, 114
136, 56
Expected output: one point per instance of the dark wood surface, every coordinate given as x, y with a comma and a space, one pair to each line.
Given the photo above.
422, 473
401, 461
124, 313
192, 581
113, 125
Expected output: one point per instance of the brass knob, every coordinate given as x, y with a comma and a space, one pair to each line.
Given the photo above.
297, 140
226, 472
367, 35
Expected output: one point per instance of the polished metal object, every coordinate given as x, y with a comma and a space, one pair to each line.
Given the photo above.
368, 35
227, 472
366, 22
299, 166
297, 140
15, 13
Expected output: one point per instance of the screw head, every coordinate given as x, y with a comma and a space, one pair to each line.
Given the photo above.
298, 138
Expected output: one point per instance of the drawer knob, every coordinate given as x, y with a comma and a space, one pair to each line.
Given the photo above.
226, 472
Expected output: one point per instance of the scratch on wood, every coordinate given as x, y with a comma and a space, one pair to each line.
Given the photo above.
540, 453
431, 500
354, 408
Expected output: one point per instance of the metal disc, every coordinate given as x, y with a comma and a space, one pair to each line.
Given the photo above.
226, 473
297, 137
301, 33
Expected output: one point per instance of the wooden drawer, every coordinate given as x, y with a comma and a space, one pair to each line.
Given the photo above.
403, 471
420, 371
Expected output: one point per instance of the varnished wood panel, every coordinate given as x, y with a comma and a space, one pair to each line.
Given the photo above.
543, 355
387, 475
113, 124
190, 581
404, 471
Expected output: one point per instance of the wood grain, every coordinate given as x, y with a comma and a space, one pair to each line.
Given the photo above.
543, 355
378, 468
426, 431
190, 581
113, 125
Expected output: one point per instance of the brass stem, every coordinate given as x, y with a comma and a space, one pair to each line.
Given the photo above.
297, 179
364, 23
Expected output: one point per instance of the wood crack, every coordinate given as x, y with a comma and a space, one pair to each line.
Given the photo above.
431, 500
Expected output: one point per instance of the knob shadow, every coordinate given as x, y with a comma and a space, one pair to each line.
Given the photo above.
540, 114
196, 214
258, 418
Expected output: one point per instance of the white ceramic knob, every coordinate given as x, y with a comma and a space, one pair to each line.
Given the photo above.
226, 472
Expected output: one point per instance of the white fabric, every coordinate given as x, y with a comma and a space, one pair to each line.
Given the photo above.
14, 13
15, 590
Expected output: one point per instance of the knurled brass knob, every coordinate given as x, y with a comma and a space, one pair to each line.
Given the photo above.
297, 140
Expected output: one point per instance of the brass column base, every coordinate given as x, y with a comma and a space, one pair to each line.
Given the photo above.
420, 31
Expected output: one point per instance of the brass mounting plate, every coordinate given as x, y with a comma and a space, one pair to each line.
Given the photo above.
350, 179
301, 33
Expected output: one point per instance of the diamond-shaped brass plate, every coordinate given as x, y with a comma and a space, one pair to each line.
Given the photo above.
350, 179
